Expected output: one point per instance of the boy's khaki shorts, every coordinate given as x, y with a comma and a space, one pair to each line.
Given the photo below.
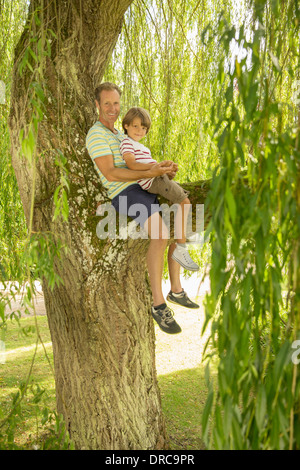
169, 189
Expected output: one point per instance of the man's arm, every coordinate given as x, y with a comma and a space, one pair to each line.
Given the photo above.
124, 175
132, 164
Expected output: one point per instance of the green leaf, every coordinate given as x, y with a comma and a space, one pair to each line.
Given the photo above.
207, 411
238, 438
231, 203
260, 407
227, 415
282, 358
32, 53
56, 193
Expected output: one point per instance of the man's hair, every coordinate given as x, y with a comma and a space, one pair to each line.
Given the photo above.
137, 112
107, 86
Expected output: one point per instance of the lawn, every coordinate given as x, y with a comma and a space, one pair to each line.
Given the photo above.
183, 391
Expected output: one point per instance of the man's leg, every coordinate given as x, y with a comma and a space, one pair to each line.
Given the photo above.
158, 234
155, 264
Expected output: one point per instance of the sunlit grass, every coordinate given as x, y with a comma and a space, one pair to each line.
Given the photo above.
183, 398
183, 392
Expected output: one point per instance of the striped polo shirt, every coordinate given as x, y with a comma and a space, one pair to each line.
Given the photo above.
100, 142
142, 155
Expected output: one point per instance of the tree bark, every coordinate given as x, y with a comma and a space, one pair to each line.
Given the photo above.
99, 317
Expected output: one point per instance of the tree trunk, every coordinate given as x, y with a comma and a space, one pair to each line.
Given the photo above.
103, 343
99, 317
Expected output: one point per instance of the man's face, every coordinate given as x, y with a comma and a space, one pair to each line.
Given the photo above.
109, 107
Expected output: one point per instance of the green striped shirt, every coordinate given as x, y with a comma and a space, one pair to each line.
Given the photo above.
100, 142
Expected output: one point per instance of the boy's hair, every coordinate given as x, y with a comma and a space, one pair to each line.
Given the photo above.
137, 112
107, 86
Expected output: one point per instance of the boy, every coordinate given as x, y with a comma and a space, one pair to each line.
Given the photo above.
136, 124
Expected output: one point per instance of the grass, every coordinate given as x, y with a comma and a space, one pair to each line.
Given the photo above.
183, 397
183, 392
20, 368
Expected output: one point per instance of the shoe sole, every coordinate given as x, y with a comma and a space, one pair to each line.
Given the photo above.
181, 305
184, 266
168, 331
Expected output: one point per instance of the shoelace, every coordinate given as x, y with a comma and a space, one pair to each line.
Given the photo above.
167, 315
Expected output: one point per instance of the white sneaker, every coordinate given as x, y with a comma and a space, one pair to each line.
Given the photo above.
182, 256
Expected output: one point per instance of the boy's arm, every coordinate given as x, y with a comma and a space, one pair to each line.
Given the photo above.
132, 164
124, 175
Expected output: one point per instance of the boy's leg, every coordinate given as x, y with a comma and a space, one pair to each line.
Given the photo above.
180, 253
180, 221
173, 192
177, 295
155, 259
174, 270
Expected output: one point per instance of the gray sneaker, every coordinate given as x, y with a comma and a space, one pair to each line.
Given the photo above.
181, 299
165, 320
182, 256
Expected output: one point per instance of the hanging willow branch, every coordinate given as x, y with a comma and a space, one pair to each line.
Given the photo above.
138, 69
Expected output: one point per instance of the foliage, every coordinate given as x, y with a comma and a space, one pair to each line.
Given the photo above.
161, 65
12, 222
254, 305
26, 256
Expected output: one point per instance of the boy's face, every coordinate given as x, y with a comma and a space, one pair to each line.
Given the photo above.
136, 130
109, 107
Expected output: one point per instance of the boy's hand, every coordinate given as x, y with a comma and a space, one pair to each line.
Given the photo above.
172, 168
159, 169
166, 163
173, 172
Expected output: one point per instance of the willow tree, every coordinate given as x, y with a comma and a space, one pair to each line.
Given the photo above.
102, 335
12, 232
168, 67
254, 303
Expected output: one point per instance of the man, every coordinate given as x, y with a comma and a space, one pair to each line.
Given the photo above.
103, 142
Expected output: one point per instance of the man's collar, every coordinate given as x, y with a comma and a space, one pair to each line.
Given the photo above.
104, 127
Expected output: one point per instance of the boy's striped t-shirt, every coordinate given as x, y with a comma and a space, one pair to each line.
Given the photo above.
142, 155
100, 142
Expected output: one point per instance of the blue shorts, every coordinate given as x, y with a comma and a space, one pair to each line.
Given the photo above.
136, 203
